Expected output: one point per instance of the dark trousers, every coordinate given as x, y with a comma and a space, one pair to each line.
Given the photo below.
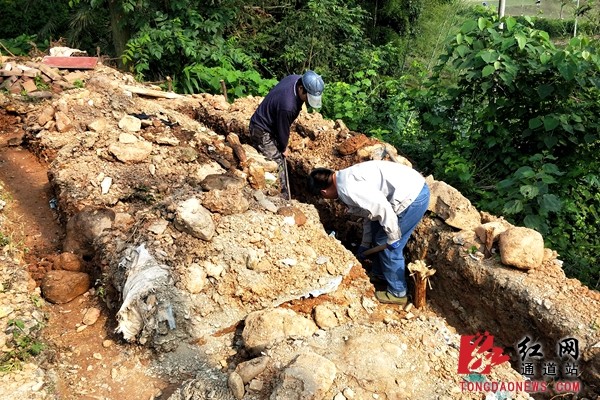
263, 142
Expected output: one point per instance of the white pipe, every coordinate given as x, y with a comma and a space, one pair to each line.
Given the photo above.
576, 15
501, 8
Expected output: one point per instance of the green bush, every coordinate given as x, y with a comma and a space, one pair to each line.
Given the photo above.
198, 78
20, 45
22, 346
513, 125
556, 28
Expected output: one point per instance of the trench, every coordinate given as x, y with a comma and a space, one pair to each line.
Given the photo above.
473, 297
470, 296
483, 305
46, 238
35, 231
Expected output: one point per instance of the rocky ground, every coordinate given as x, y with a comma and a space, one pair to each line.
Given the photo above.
148, 256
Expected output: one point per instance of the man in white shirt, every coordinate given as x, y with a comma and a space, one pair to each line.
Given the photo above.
392, 198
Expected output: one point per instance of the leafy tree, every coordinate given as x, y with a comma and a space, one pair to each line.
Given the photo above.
89, 30
392, 19
164, 28
324, 35
119, 14
509, 116
187, 40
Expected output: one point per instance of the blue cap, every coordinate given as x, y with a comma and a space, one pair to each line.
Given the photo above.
313, 83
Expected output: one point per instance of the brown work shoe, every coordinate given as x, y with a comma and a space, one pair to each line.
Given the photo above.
387, 298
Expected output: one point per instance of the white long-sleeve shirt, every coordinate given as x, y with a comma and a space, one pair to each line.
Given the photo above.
379, 191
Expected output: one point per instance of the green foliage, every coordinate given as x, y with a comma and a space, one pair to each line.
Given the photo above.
556, 28
40, 83
18, 46
529, 191
89, 29
100, 286
4, 240
22, 345
576, 233
374, 105
509, 114
393, 18
141, 193
351, 102
37, 300
199, 78
323, 35
191, 49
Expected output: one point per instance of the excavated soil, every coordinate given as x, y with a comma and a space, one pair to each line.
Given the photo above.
92, 361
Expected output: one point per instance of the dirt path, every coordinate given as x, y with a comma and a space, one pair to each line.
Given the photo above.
26, 180
88, 363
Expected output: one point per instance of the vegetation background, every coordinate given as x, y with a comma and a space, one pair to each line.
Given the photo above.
504, 110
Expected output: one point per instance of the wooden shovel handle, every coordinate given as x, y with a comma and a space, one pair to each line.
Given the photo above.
375, 249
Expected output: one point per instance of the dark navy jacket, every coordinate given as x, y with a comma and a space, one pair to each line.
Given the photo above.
278, 110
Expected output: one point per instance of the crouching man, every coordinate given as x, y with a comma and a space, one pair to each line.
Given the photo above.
392, 198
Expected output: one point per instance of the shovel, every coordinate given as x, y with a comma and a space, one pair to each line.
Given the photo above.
375, 249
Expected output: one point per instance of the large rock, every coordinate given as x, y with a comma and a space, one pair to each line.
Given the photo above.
325, 317
131, 152
250, 369
489, 232
255, 157
265, 327
222, 182
191, 217
294, 214
61, 287
63, 122
98, 125
130, 123
84, 228
226, 202
46, 115
69, 262
308, 377
194, 278
521, 247
450, 205
256, 175
352, 144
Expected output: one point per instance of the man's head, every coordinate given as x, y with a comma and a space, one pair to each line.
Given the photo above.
313, 86
321, 181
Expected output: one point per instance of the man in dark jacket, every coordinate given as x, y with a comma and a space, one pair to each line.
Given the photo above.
271, 122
